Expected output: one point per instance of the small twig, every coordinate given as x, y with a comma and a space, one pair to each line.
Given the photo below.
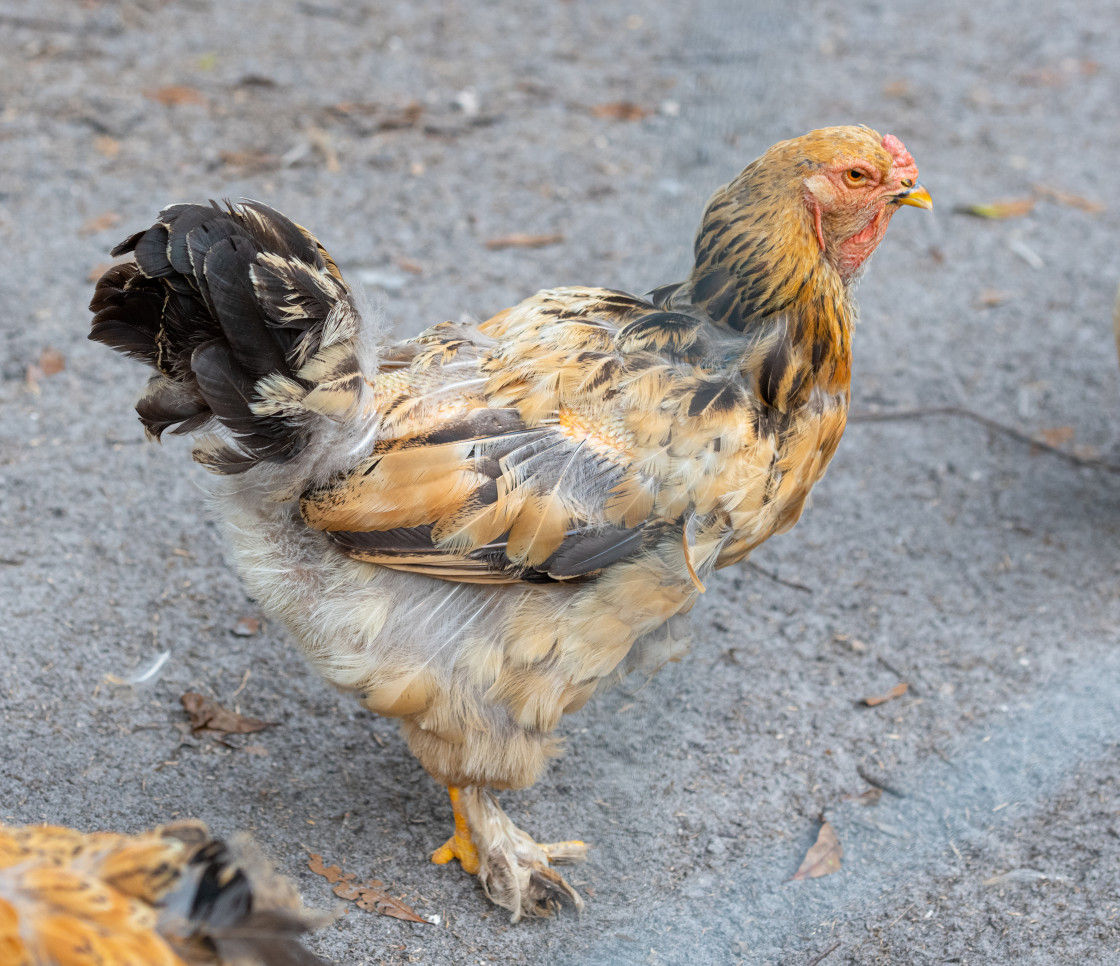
900, 915
244, 681
821, 956
962, 413
882, 783
778, 580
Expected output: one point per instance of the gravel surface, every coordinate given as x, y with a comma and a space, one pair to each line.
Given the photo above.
940, 551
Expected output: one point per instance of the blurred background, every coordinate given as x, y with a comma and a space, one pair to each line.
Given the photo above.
455, 157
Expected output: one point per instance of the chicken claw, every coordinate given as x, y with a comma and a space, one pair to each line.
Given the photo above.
515, 871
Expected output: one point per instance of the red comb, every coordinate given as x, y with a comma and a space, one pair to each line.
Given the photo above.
897, 150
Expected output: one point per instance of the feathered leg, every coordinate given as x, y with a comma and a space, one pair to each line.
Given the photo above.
515, 871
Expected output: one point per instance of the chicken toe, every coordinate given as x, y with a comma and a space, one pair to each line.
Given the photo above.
515, 871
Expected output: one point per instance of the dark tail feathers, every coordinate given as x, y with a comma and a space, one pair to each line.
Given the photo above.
248, 323
230, 906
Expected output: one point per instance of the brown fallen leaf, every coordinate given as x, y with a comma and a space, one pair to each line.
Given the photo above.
102, 222
897, 88
1066, 198
620, 111
990, 297
209, 716
896, 692
823, 858
250, 160
408, 116
370, 896
51, 361
246, 627
373, 898
1057, 436
354, 107
332, 873
999, 210
866, 798
405, 117
518, 240
408, 265
106, 146
174, 94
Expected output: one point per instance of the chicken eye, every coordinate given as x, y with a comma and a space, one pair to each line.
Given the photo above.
855, 176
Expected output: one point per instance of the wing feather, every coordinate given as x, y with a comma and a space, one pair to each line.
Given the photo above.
550, 442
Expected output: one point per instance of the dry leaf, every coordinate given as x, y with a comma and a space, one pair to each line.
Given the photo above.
1065, 198
332, 873
620, 111
408, 116
246, 627
1058, 436
51, 361
207, 715
990, 297
102, 222
373, 898
408, 265
823, 858
251, 160
1000, 210
518, 240
175, 94
107, 146
869, 797
354, 107
370, 896
896, 692
897, 88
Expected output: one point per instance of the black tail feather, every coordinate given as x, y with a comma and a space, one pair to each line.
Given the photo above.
230, 902
228, 303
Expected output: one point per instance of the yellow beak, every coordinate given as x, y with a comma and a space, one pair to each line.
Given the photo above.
916, 196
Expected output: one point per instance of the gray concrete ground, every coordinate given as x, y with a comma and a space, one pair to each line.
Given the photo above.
938, 551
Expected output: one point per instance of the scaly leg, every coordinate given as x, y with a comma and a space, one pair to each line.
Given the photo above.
460, 846
515, 871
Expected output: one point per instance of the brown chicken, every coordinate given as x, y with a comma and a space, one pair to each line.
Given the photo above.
477, 528
170, 897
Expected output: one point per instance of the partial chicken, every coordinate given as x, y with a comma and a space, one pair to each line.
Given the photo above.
170, 897
478, 528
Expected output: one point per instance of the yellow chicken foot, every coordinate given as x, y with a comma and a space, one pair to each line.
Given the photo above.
512, 868
460, 846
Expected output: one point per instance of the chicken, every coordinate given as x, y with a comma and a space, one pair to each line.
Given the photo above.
170, 897
478, 528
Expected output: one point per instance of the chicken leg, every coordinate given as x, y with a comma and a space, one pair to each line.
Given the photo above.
515, 871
